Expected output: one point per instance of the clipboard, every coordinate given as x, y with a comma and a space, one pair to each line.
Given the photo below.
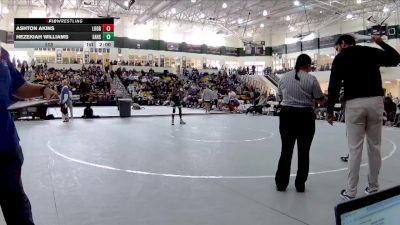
25, 104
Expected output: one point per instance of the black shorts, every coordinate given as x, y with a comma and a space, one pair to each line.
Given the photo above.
176, 104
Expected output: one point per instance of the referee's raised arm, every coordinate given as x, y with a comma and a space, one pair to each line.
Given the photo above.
386, 57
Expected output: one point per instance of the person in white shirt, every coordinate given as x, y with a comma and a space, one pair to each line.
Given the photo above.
207, 98
231, 95
215, 97
297, 90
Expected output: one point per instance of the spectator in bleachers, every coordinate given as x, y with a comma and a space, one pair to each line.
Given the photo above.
390, 110
397, 117
258, 108
272, 98
106, 66
255, 96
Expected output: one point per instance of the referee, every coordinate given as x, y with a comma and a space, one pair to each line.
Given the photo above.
297, 91
357, 67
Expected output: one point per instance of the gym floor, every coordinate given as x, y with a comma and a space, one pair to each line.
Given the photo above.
215, 170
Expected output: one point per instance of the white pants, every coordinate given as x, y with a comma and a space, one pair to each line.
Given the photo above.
70, 107
364, 118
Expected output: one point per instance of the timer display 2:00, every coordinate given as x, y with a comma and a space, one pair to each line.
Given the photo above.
102, 44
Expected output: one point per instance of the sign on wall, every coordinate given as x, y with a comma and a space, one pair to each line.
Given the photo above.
59, 55
259, 50
184, 62
86, 57
248, 50
231, 51
194, 48
161, 60
150, 59
213, 50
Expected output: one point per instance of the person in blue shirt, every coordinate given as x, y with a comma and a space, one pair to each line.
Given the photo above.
13, 200
65, 101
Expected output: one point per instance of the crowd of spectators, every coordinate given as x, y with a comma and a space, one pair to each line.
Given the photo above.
150, 88
392, 110
131, 63
90, 83
226, 84
146, 88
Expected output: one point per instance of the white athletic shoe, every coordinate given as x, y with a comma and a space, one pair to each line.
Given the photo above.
182, 122
369, 190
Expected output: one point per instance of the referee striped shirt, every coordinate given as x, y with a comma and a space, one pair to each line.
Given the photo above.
299, 93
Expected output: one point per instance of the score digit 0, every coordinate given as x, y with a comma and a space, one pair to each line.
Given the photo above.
108, 36
108, 27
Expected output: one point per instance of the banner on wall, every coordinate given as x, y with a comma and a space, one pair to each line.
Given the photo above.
213, 50
150, 59
184, 62
259, 50
231, 51
248, 50
162, 61
204, 62
86, 57
194, 48
59, 55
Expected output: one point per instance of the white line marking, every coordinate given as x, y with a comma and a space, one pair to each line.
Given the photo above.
230, 141
394, 148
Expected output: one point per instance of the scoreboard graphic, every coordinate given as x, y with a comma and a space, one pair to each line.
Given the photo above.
64, 33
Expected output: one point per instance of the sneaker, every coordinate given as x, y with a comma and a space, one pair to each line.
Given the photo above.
344, 158
345, 196
369, 190
182, 122
172, 123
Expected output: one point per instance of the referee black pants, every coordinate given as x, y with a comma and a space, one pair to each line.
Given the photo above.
295, 124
